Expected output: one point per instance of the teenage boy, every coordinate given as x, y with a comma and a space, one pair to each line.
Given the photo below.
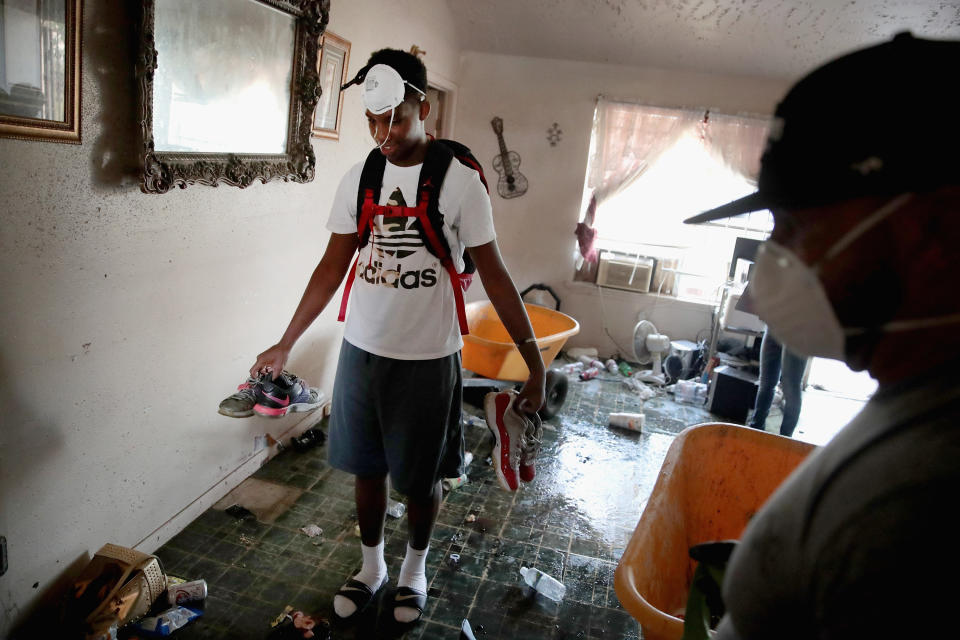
397, 392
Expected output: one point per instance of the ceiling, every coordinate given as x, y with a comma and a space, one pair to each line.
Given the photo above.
772, 38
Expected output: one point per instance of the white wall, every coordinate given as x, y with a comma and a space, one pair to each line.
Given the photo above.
535, 231
126, 317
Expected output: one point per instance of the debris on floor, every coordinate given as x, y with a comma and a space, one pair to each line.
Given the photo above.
240, 512
292, 624
630, 421
165, 623
454, 560
543, 583
576, 352
466, 632
180, 591
312, 437
395, 509
450, 484
312, 530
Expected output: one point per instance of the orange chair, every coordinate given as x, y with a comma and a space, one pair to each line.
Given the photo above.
712, 481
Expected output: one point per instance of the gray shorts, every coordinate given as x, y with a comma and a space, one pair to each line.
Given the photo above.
397, 416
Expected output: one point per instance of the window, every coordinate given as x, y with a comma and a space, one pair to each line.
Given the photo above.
650, 168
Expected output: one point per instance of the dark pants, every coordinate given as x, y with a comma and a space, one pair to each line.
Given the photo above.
779, 365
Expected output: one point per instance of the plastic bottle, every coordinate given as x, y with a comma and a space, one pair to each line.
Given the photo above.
544, 583
586, 360
611, 365
572, 367
596, 364
395, 509
625, 368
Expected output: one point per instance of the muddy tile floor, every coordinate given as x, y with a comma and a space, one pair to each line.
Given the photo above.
572, 522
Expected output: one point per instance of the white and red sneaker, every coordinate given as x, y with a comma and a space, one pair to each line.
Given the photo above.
532, 440
508, 428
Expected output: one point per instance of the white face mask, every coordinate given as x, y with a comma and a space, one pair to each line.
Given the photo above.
790, 298
383, 90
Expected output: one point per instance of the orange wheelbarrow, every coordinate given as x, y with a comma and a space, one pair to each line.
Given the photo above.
489, 352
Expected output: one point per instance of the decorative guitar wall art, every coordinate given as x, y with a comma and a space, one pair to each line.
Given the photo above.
512, 183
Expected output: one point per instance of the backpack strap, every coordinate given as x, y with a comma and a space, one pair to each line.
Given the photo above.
429, 219
371, 181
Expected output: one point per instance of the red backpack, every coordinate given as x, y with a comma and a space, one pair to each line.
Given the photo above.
429, 220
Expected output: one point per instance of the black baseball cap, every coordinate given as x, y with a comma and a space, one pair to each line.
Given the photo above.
878, 121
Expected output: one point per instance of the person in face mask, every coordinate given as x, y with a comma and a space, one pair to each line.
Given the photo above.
396, 397
862, 175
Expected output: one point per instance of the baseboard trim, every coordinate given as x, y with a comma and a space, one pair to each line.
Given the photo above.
159, 536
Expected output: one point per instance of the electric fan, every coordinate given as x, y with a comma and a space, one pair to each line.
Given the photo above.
649, 346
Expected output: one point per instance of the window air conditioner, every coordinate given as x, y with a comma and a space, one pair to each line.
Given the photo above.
625, 272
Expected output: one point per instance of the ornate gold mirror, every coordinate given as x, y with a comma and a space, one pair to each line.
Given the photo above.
227, 91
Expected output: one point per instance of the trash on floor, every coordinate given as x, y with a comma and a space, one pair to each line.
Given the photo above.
312, 530
572, 368
164, 624
471, 517
589, 374
690, 391
631, 421
395, 509
453, 560
248, 542
452, 483
309, 439
296, 624
466, 632
117, 586
644, 391
474, 421
543, 583
576, 352
180, 591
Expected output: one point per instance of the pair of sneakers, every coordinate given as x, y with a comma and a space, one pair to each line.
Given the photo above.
270, 397
517, 435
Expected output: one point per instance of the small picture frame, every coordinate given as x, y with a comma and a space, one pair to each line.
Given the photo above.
40, 70
332, 63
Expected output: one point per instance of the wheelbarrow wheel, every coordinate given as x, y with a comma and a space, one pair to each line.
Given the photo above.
556, 394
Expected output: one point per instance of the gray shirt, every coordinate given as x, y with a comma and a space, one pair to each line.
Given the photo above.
860, 541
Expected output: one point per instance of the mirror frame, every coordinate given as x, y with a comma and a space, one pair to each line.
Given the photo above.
164, 170
67, 130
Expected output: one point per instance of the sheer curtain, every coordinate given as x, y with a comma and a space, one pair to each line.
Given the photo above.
628, 138
737, 141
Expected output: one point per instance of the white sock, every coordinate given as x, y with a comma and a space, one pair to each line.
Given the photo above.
372, 573
413, 574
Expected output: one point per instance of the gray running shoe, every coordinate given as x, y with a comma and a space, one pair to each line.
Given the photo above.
240, 404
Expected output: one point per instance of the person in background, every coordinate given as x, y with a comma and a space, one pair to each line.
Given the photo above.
862, 174
778, 364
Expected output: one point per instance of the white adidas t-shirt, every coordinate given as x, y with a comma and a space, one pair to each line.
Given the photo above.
402, 303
